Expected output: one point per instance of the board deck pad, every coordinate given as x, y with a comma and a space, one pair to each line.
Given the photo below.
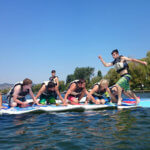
126, 103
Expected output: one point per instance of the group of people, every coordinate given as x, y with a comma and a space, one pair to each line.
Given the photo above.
77, 89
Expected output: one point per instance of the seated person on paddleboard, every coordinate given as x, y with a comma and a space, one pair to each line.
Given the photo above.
76, 90
98, 91
1, 102
121, 66
17, 94
48, 93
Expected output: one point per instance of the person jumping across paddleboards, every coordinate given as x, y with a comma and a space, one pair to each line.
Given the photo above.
121, 66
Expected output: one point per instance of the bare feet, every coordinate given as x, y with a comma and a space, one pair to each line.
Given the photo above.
137, 101
119, 102
2, 107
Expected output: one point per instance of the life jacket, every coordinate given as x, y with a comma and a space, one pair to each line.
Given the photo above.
119, 66
21, 94
48, 93
77, 91
100, 92
52, 79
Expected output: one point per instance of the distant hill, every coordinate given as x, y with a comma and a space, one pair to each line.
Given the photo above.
5, 86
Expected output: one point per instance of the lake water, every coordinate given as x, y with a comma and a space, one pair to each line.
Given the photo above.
90, 130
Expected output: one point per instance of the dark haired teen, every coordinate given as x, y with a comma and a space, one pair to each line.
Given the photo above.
54, 78
121, 66
48, 93
76, 90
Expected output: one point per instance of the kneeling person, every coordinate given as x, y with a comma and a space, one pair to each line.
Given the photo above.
48, 93
18, 93
98, 91
76, 91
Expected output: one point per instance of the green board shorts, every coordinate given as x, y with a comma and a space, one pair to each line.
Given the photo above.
45, 101
123, 82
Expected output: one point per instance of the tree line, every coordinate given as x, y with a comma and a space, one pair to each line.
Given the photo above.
140, 76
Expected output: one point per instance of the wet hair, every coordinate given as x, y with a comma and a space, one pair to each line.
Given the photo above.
27, 81
81, 81
51, 85
115, 51
53, 71
104, 82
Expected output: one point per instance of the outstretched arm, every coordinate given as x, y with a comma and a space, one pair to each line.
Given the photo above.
89, 94
58, 93
33, 97
71, 89
40, 91
57, 81
135, 60
104, 63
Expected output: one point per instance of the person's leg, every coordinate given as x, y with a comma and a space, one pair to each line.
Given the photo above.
73, 100
51, 100
119, 89
43, 101
1, 102
131, 94
102, 101
12, 103
123, 83
99, 100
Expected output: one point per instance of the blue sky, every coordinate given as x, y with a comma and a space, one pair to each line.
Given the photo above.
37, 36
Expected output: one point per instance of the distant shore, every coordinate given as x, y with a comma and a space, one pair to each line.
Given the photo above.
141, 91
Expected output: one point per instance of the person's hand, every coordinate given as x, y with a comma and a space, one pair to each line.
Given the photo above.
86, 102
37, 103
24, 104
145, 63
100, 57
65, 104
97, 102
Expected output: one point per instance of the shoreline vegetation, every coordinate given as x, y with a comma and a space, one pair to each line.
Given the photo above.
140, 82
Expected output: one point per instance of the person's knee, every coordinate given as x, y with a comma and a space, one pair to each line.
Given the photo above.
13, 104
129, 92
102, 101
119, 88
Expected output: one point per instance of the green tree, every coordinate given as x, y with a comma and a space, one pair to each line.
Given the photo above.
99, 73
138, 73
62, 86
36, 88
112, 76
70, 78
84, 73
93, 81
